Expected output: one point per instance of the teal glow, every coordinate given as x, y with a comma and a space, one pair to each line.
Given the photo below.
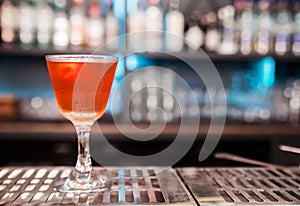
267, 70
131, 6
264, 75
132, 62
119, 75
116, 90
119, 8
136, 62
120, 70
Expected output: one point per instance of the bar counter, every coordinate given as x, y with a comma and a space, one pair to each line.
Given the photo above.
154, 186
56, 141
21, 128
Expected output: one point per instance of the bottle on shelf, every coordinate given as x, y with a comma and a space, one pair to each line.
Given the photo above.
238, 6
77, 23
296, 34
228, 45
136, 27
154, 26
213, 36
246, 25
95, 28
263, 24
27, 23
284, 29
61, 25
44, 24
174, 36
168, 103
112, 28
8, 23
194, 36
137, 107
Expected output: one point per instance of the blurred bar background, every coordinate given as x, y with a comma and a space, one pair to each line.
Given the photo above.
254, 45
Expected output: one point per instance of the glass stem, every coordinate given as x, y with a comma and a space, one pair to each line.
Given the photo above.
83, 166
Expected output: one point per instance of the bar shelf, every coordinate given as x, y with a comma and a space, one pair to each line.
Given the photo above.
34, 51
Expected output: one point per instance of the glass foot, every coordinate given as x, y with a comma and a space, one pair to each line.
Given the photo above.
83, 184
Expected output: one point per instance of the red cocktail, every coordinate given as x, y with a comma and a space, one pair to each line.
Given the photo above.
82, 85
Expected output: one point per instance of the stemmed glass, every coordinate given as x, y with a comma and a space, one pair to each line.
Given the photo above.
82, 85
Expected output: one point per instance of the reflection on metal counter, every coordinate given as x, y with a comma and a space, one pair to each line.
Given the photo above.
243, 186
130, 186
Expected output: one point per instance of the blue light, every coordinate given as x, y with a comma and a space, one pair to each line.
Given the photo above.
118, 7
120, 70
135, 62
264, 75
120, 13
132, 62
267, 69
116, 88
131, 6
116, 92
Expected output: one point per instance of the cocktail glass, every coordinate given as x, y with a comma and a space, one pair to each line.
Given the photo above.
82, 85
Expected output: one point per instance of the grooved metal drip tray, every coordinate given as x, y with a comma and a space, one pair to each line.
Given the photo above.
130, 186
243, 186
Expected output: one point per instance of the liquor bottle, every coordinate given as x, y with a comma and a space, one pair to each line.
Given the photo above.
296, 35
112, 28
246, 24
213, 36
153, 26
284, 21
77, 23
137, 108
95, 28
153, 79
44, 24
168, 103
174, 27
228, 46
263, 36
194, 36
136, 28
60, 25
238, 6
8, 22
27, 23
